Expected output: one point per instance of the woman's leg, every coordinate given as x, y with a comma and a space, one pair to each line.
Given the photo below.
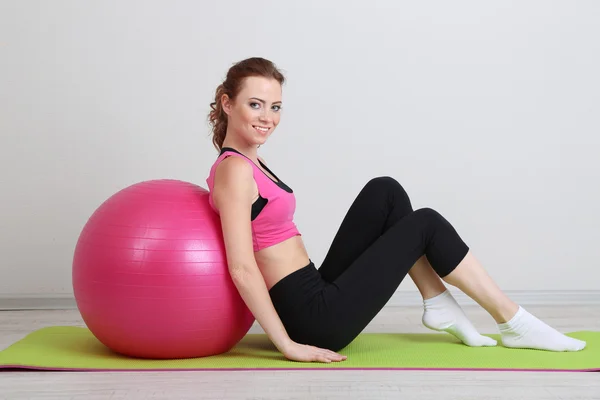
426, 280
470, 277
378, 207
441, 311
368, 261
347, 305
518, 328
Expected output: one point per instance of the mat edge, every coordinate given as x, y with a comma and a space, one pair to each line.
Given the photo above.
22, 368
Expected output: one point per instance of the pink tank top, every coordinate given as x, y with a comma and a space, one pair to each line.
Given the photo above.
272, 215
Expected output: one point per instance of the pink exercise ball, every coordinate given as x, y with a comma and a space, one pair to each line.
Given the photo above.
150, 274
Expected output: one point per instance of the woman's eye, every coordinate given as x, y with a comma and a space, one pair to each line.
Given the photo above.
254, 104
276, 108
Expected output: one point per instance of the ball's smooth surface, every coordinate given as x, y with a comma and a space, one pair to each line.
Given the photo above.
150, 274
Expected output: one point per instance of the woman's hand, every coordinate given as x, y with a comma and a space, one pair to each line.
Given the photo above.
302, 352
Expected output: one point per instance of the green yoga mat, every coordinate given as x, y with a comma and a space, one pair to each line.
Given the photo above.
76, 349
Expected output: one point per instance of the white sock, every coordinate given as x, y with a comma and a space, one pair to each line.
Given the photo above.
525, 331
442, 313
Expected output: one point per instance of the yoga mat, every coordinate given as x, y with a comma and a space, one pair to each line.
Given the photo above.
76, 349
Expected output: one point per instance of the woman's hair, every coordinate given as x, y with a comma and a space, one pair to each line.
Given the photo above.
232, 85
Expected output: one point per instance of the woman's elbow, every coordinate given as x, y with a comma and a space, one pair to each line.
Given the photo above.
242, 272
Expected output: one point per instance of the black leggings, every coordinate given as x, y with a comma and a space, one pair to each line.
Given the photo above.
378, 242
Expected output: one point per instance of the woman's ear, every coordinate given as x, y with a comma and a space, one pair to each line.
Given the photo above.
226, 104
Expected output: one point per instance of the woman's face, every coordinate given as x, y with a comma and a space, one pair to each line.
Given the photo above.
255, 113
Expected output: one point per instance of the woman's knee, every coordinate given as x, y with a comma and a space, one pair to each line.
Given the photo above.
387, 193
429, 215
433, 221
447, 248
385, 184
382, 181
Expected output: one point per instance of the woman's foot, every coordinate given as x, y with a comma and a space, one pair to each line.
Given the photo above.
525, 331
442, 313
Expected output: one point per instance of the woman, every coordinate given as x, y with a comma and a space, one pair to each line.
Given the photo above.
309, 314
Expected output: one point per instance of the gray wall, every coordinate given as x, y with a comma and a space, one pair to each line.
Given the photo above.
484, 111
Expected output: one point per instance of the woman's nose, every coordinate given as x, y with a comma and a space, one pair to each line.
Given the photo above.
265, 117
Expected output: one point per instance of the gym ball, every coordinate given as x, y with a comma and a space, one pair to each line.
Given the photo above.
150, 274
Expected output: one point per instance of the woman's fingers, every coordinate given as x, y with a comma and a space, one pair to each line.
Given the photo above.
334, 355
329, 356
320, 356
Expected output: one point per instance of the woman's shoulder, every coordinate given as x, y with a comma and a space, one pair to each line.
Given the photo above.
232, 183
233, 169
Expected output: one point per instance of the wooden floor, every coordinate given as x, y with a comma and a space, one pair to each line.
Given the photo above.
429, 385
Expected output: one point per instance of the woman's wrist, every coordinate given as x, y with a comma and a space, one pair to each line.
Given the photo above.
284, 344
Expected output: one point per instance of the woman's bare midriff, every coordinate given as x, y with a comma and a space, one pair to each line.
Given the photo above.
278, 261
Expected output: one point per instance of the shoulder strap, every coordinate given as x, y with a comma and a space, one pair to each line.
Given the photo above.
228, 153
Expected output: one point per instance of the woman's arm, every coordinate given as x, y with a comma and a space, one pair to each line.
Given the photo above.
233, 194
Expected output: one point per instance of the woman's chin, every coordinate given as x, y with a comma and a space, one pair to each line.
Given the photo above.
261, 141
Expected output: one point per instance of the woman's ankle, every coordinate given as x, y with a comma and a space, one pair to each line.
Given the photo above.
505, 312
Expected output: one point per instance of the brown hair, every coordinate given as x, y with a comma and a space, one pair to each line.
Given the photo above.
232, 85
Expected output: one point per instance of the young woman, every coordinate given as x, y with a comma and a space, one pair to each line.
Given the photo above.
308, 313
